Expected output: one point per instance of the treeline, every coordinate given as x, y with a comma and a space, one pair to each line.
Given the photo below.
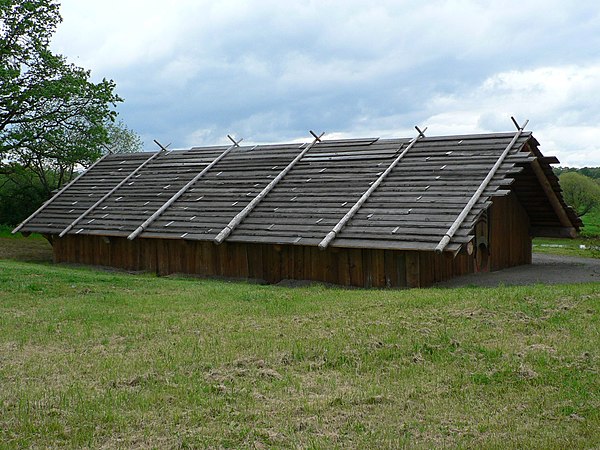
21, 194
591, 172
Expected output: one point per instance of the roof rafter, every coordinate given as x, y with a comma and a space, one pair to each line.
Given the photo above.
181, 191
110, 192
344, 220
467, 209
55, 196
233, 223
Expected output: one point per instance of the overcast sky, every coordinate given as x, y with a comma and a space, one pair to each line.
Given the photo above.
192, 71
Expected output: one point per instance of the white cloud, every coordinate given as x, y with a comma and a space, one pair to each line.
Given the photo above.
560, 102
192, 71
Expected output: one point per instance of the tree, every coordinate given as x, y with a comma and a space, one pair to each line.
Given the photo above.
52, 116
579, 191
592, 172
122, 139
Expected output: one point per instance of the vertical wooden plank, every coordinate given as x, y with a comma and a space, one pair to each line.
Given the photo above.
162, 258
355, 267
401, 268
343, 267
221, 261
424, 269
331, 274
286, 268
390, 268
378, 268
510, 243
307, 260
177, 255
255, 263
412, 269
133, 248
298, 255
189, 263
144, 257
202, 257
274, 264
367, 267
316, 265
114, 250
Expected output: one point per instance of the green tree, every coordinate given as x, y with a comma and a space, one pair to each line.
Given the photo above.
52, 116
122, 139
580, 192
20, 195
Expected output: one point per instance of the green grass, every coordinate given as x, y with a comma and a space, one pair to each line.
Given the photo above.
591, 222
567, 247
589, 239
6, 232
105, 359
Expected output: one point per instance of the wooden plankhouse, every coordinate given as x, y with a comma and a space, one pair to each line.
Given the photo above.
359, 212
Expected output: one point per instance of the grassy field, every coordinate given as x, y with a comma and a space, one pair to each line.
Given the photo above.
585, 246
591, 223
105, 359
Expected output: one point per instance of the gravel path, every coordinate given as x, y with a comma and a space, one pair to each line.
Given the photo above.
545, 269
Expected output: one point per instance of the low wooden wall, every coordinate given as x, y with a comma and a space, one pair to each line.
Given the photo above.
509, 245
271, 263
510, 241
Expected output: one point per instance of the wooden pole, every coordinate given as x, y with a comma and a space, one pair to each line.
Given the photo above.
225, 232
344, 220
109, 193
179, 193
553, 198
467, 209
37, 211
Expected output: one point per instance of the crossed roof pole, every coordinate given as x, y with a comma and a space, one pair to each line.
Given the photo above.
240, 216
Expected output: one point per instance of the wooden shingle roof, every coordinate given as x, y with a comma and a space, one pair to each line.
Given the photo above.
411, 208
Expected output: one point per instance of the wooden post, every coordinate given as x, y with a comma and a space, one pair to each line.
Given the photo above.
553, 198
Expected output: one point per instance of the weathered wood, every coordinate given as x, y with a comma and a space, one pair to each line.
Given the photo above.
109, 193
553, 198
179, 193
467, 209
337, 228
565, 232
413, 277
225, 232
58, 194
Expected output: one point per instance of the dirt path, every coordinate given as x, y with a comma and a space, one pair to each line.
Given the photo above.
545, 269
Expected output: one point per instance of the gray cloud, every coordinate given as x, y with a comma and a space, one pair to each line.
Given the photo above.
193, 71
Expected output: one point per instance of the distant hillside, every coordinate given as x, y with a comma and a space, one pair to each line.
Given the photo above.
592, 172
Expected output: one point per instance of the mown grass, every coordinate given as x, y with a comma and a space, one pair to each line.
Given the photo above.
584, 247
106, 359
591, 222
6, 232
587, 245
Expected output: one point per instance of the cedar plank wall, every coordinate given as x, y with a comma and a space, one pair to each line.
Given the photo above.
510, 242
510, 245
271, 263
